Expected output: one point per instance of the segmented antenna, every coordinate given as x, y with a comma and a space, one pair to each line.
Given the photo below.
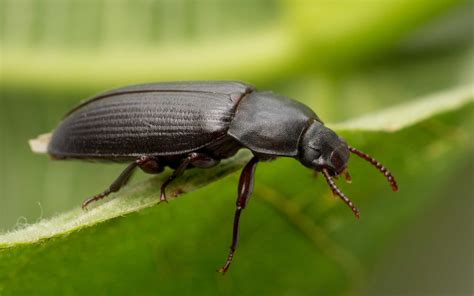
378, 165
339, 193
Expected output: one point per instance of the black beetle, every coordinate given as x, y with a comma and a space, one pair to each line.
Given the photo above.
196, 124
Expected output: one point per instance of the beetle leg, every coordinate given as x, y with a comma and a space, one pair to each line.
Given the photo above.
194, 158
244, 192
120, 181
152, 166
204, 161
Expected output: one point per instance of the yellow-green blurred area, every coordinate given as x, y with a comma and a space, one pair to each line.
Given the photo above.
342, 58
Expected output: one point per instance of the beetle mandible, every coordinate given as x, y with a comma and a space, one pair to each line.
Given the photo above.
196, 124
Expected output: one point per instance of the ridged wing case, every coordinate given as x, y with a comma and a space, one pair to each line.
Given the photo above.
150, 119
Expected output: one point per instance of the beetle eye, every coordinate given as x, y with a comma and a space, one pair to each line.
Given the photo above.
336, 160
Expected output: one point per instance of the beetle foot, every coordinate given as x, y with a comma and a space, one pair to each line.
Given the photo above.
84, 205
97, 197
163, 197
226, 266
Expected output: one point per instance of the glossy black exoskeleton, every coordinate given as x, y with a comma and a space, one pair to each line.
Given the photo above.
196, 124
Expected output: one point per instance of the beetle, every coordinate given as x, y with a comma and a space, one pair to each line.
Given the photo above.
195, 124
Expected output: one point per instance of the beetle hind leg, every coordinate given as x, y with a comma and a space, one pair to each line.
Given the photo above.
147, 162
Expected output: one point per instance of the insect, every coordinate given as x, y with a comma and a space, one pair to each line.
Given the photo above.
185, 125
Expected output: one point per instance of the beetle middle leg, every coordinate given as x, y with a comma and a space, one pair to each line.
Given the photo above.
146, 163
195, 159
245, 190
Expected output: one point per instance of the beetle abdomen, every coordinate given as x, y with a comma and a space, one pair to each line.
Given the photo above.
127, 125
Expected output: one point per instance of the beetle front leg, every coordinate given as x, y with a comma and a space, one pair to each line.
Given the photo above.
121, 180
245, 190
196, 159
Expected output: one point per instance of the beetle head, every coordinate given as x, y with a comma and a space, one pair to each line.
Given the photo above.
321, 148
324, 151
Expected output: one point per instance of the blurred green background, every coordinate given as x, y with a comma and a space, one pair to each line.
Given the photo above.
342, 58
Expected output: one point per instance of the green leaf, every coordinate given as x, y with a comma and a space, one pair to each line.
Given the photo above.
293, 233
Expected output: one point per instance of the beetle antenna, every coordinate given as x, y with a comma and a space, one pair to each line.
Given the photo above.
378, 165
339, 193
